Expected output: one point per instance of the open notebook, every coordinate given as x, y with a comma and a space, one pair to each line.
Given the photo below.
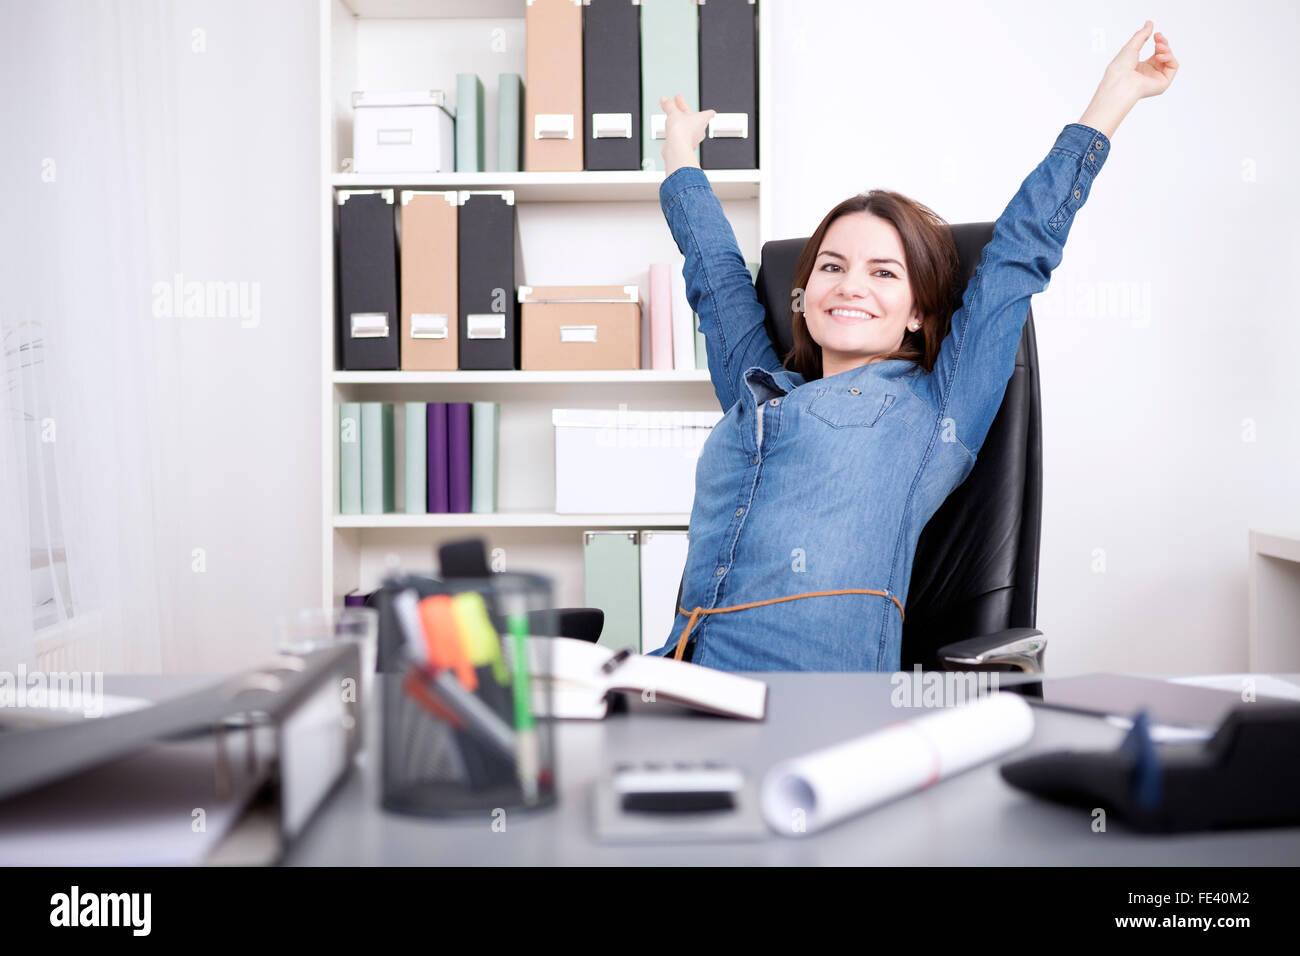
580, 688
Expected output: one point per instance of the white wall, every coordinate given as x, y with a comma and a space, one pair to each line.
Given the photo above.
248, 137
1147, 412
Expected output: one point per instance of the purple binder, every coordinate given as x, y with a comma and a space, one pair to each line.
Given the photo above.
436, 457
458, 460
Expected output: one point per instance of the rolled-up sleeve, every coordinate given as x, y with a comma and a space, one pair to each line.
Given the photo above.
718, 284
977, 358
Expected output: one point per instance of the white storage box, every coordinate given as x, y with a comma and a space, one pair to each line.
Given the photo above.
402, 133
617, 461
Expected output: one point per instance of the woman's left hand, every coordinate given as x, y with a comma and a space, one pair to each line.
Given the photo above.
1150, 77
1126, 81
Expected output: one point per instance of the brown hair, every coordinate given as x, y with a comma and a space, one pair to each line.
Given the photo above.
934, 274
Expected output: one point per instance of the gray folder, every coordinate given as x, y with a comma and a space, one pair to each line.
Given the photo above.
611, 84
728, 84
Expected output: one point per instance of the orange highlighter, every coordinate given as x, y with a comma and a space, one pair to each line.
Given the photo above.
441, 635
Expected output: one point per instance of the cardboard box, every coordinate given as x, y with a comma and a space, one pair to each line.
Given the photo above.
580, 327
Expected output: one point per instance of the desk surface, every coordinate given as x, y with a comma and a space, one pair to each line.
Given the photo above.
971, 818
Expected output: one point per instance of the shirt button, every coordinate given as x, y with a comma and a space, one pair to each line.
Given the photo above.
721, 571
1077, 194
775, 401
854, 391
1090, 157
1097, 145
739, 512
756, 459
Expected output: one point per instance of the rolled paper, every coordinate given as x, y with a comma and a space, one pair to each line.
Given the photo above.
809, 793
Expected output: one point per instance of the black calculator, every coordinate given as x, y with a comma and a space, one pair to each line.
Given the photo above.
677, 786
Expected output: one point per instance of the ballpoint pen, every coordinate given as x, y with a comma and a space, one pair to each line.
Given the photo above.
613, 663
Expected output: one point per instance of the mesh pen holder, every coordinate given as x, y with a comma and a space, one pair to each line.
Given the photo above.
465, 693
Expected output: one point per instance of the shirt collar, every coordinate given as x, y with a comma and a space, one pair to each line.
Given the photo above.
767, 383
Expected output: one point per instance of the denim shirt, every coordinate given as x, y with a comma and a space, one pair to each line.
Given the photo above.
827, 484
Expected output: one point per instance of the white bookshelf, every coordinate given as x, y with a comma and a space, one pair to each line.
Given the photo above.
575, 228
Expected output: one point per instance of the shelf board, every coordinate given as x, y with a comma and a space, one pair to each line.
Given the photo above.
507, 377
586, 186
513, 519
1283, 546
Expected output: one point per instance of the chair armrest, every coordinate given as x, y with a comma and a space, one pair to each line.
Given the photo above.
583, 623
1016, 648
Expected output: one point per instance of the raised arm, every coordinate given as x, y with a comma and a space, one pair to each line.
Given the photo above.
718, 284
977, 358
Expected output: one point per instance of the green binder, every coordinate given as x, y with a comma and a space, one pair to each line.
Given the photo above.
670, 64
510, 121
484, 432
611, 563
469, 123
376, 458
416, 428
349, 458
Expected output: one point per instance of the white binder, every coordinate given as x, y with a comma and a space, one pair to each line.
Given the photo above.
663, 559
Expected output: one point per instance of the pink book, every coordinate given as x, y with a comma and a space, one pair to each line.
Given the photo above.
661, 316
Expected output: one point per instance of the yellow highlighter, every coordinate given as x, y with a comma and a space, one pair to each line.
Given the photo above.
483, 646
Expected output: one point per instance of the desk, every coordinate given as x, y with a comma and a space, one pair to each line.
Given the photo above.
973, 818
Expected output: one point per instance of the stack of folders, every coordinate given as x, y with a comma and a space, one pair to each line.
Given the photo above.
457, 257
418, 457
595, 73
594, 76
633, 576
459, 260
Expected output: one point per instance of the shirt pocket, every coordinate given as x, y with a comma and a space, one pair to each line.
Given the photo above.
851, 407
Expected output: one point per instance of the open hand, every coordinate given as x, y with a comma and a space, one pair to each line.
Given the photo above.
684, 130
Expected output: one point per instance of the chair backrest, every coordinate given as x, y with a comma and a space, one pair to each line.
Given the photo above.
976, 565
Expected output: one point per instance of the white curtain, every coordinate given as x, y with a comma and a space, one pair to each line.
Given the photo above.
87, 562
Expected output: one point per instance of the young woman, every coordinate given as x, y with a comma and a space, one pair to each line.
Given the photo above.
812, 491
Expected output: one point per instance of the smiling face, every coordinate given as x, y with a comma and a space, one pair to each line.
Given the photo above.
858, 299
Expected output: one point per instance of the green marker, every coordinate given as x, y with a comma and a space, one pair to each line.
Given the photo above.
527, 757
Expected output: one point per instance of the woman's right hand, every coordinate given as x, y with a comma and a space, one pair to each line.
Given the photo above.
684, 130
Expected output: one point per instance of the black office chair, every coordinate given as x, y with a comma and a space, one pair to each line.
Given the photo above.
974, 591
